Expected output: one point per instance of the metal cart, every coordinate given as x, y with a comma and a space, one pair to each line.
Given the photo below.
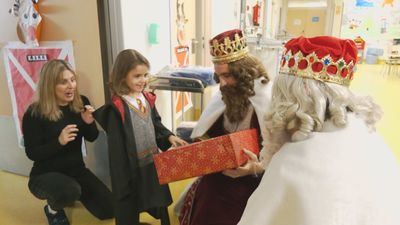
182, 84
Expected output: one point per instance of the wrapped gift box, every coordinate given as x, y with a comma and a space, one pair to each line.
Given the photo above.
205, 157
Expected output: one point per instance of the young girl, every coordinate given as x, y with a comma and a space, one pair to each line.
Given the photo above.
135, 134
53, 128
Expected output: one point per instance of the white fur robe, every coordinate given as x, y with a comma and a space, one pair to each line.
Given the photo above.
340, 176
260, 101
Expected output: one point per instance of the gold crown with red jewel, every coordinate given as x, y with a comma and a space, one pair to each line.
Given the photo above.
326, 59
228, 47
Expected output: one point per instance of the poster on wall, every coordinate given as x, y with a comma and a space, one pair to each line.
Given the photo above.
374, 20
22, 65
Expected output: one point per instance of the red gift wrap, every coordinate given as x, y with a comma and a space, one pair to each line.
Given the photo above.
205, 157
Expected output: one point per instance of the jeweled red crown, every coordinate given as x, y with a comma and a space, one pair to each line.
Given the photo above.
228, 46
323, 58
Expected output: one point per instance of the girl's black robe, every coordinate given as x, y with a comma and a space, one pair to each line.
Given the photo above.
124, 169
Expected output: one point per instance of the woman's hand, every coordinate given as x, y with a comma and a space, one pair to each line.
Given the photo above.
86, 115
252, 167
176, 141
68, 134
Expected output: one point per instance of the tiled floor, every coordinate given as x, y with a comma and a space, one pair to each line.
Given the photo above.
19, 207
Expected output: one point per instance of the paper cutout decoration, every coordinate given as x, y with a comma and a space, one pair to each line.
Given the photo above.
181, 20
29, 21
183, 102
182, 55
183, 99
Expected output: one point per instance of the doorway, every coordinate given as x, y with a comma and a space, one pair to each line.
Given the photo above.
306, 18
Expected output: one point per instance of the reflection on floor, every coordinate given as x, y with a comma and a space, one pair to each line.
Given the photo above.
385, 89
19, 207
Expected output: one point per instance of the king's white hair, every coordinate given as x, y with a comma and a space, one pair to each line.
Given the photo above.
300, 106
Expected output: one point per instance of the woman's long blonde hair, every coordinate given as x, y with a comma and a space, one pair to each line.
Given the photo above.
46, 106
300, 106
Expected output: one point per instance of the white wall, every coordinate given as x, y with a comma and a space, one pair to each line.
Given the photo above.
225, 15
136, 17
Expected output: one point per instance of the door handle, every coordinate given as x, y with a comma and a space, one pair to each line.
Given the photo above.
194, 45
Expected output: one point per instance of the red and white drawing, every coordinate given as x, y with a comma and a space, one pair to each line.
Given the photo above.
23, 64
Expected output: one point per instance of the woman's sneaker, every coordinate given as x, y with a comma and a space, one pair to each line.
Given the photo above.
58, 218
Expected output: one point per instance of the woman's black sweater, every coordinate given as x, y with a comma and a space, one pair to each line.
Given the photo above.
42, 145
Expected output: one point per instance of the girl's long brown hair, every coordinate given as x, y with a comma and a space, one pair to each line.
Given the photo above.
126, 60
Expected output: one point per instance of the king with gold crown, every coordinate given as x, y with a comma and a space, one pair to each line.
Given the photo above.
240, 104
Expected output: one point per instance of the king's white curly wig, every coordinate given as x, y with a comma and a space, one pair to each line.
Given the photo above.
300, 106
